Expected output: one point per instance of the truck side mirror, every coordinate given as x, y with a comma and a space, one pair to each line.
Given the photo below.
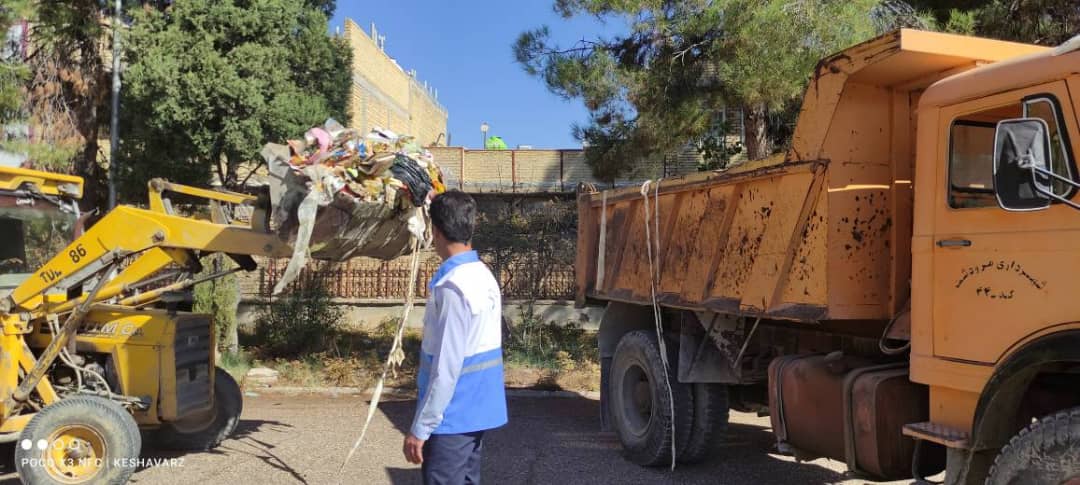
1022, 164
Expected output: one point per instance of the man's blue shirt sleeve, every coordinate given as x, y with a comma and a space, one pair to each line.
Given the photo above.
451, 337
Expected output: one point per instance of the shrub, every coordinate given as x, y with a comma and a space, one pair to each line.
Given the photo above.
549, 345
303, 321
236, 364
220, 298
346, 372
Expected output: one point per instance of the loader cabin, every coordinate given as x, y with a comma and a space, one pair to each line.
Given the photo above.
38, 217
881, 220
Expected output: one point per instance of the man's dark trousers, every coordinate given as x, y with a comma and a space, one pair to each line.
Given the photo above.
452, 459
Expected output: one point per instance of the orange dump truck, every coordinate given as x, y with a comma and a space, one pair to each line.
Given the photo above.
898, 291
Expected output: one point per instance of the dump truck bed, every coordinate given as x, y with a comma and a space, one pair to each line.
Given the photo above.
822, 232
729, 242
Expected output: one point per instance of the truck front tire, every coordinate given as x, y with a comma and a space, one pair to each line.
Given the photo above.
1043, 452
204, 432
80, 440
639, 404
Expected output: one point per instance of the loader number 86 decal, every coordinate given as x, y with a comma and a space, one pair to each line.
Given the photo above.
77, 253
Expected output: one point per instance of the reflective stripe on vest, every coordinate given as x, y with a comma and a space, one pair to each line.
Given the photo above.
479, 400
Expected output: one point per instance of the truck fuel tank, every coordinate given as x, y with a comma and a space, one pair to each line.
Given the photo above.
849, 409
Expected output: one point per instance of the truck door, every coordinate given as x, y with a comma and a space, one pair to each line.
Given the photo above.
1000, 275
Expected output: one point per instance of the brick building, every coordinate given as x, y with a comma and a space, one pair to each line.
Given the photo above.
384, 94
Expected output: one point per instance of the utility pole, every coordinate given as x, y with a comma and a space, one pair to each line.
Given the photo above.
114, 130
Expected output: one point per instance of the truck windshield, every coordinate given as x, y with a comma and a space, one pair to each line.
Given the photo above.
34, 230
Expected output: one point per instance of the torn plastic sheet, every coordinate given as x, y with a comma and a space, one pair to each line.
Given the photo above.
324, 222
348, 228
306, 213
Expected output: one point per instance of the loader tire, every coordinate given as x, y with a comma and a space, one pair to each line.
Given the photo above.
88, 440
710, 422
640, 407
1043, 452
206, 431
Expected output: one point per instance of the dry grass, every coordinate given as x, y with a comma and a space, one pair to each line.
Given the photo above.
355, 359
329, 371
295, 373
582, 377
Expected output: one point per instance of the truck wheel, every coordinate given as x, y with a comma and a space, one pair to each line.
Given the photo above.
81, 439
639, 404
710, 422
1043, 452
206, 431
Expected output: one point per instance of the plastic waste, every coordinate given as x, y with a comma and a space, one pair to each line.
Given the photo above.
337, 195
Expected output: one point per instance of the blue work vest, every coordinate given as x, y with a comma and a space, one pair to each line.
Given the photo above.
479, 399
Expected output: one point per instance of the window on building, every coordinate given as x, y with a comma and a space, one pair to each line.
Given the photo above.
731, 122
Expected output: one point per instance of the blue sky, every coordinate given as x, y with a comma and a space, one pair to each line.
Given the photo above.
464, 49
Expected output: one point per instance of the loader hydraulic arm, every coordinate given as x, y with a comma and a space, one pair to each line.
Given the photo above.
156, 238
90, 269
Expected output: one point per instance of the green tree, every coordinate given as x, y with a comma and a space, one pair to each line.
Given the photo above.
1046, 22
208, 82
42, 83
68, 38
55, 86
663, 82
13, 71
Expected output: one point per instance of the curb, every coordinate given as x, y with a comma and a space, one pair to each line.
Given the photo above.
593, 395
400, 393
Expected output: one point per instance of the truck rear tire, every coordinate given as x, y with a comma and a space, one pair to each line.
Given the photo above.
710, 422
79, 440
639, 405
1043, 452
206, 431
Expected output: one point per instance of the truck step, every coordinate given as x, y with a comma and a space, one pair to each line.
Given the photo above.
937, 433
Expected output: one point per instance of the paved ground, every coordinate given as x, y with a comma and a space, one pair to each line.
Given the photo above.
303, 439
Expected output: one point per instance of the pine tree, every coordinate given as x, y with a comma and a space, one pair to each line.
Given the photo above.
662, 84
1044, 22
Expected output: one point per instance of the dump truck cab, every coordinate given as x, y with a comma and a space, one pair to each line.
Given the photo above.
895, 290
994, 308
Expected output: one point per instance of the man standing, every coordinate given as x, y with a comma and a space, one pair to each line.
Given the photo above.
460, 382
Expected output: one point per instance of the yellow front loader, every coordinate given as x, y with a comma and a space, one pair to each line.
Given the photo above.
96, 350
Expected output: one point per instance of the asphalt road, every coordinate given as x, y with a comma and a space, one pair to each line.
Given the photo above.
303, 439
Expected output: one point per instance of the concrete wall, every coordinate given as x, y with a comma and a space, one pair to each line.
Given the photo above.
384, 94
363, 316
539, 171
520, 171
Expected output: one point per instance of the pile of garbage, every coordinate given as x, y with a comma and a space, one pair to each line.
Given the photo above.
338, 194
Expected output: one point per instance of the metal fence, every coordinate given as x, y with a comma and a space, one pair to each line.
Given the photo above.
525, 277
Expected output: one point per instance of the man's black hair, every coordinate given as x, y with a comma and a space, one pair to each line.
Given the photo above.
454, 213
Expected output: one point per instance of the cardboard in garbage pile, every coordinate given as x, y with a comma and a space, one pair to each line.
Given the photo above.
337, 195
